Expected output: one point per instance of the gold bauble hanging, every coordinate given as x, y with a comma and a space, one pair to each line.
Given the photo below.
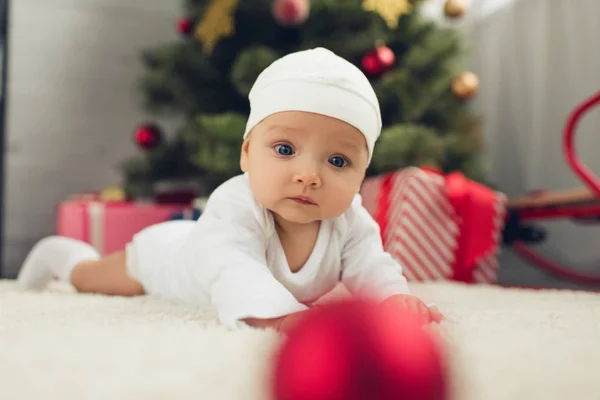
217, 22
465, 85
389, 10
455, 8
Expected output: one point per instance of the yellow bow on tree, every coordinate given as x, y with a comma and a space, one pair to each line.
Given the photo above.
217, 22
390, 10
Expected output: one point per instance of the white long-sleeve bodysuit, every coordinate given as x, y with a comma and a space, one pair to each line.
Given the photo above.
232, 259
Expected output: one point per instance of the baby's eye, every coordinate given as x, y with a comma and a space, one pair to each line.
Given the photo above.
338, 162
284, 149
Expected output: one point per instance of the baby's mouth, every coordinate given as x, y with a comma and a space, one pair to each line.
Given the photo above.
305, 200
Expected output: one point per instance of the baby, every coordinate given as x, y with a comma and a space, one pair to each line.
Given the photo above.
276, 238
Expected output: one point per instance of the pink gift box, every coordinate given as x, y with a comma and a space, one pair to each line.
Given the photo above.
109, 226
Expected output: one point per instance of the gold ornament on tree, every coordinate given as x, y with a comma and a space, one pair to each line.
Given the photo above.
455, 8
217, 22
465, 85
389, 10
113, 193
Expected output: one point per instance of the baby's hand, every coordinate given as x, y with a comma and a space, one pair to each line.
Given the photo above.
426, 315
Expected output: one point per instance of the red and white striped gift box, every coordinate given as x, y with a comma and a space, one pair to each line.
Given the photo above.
427, 224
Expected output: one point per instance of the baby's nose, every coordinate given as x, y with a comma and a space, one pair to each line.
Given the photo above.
308, 178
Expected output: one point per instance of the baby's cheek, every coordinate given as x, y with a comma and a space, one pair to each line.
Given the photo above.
259, 183
350, 184
343, 194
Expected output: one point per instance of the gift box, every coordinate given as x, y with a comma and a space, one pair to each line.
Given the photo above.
438, 227
109, 225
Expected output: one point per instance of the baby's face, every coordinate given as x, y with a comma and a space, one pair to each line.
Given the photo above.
304, 167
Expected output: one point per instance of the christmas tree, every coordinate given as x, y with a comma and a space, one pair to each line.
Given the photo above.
414, 64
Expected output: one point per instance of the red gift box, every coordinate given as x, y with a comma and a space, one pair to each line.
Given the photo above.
438, 227
109, 226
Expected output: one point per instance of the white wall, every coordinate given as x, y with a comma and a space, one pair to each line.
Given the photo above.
72, 103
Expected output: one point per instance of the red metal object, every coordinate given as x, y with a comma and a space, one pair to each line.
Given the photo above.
554, 268
585, 211
580, 169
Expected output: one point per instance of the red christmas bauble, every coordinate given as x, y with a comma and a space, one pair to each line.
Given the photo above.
378, 60
147, 136
370, 64
359, 351
291, 12
410, 359
185, 26
386, 57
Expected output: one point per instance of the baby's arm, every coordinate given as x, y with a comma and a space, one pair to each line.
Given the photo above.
368, 269
282, 324
366, 266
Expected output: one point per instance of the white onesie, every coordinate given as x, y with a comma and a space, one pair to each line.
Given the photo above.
232, 259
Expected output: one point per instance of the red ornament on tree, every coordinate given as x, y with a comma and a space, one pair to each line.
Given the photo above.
147, 136
378, 60
185, 26
291, 12
360, 351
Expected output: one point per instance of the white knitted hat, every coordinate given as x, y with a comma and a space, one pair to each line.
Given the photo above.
321, 82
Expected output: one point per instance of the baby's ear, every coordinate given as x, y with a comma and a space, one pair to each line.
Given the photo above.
244, 155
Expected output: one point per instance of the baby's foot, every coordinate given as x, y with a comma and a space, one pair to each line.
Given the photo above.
53, 256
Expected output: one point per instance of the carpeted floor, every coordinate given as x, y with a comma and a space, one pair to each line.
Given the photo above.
505, 344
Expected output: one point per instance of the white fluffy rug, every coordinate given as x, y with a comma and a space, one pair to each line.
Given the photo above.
506, 344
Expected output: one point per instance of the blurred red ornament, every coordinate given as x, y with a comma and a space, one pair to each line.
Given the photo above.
291, 12
185, 26
386, 57
370, 64
378, 60
360, 351
148, 136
